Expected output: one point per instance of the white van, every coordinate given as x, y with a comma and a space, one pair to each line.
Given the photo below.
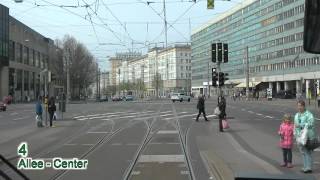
180, 97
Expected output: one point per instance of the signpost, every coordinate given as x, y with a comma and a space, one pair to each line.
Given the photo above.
269, 94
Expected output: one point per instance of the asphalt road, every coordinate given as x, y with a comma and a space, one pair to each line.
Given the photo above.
153, 140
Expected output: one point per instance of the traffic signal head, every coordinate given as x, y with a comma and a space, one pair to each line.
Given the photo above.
226, 76
221, 78
214, 53
53, 77
219, 52
214, 77
225, 53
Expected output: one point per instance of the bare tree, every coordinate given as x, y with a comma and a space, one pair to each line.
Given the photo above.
157, 83
81, 63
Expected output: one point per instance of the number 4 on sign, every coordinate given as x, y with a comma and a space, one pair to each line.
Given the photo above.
23, 149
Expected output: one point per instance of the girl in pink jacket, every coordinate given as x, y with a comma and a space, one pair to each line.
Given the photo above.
286, 141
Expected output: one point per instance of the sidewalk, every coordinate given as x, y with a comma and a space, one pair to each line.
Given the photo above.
245, 149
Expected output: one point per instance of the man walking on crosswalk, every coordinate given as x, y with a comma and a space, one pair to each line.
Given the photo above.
201, 108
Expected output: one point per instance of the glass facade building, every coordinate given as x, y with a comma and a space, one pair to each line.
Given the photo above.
4, 36
272, 31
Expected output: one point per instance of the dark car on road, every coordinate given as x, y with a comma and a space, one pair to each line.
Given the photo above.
3, 106
285, 95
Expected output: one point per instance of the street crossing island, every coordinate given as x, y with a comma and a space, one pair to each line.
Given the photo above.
56, 163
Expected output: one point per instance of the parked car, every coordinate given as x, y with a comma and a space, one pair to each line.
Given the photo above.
104, 98
285, 95
180, 97
3, 106
116, 98
128, 98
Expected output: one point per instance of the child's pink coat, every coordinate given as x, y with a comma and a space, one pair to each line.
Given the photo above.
286, 132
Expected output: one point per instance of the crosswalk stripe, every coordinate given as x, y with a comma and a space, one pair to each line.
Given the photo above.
98, 116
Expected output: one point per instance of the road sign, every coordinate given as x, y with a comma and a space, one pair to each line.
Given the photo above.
269, 93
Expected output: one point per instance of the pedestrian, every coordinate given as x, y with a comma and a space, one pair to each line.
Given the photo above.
39, 111
201, 108
51, 109
286, 140
222, 107
302, 119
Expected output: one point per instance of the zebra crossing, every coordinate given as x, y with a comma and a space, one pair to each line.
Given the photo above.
143, 115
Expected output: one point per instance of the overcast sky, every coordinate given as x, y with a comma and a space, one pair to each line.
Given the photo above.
110, 26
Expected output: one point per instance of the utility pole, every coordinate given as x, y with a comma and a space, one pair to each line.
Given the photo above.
247, 72
165, 22
68, 75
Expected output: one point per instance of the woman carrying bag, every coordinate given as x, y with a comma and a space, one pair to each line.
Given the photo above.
304, 123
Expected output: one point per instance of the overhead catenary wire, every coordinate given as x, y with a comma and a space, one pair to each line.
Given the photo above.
118, 20
171, 24
104, 24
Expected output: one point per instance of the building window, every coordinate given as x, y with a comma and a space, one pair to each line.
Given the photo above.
11, 50
19, 52
26, 80
26, 55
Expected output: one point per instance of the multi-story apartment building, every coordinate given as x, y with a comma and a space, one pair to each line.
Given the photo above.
116, 63
25, 54
162, 71
272, 31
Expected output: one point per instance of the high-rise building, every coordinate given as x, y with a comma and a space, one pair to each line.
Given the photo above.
24, 54
272, 31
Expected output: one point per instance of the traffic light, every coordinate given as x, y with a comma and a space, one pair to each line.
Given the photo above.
219, 52
311, 36
214, 77
220, 79
53, 77
225, 53
214, 53
226, 76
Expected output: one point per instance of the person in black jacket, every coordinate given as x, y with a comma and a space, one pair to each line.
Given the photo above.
222, 107
51, 109
201, 108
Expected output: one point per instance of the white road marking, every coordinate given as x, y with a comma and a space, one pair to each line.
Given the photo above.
182, 116
269, 117
15, 113
92, 115
168, 132
116, 144
213, 115
101, 132
250, 112
317, 150
317, 119
242, 109
106, 120
19, 118
166, 115
155, 143
184, 172
87, 144
82, 119
135, 172
70, 144
133, 144
174, 143
259, 114
161, 158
